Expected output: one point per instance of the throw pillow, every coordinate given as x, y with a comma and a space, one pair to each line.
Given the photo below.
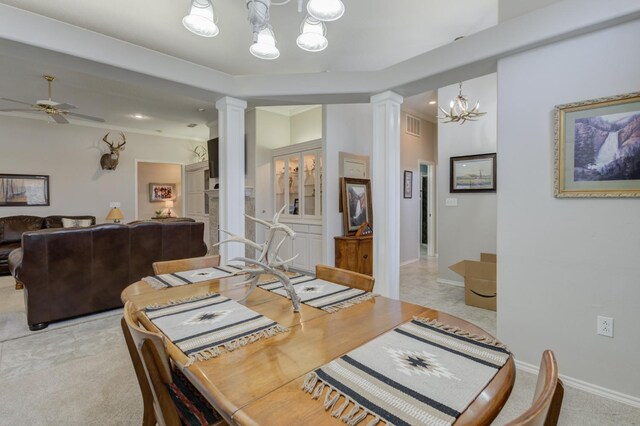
75, 223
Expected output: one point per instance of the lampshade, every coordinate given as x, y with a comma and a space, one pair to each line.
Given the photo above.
168, 204
201, 19
325, 10
312, 35
265, 45
115, 214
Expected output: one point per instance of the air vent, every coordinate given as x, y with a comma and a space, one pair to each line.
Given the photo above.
413, 125
191, 125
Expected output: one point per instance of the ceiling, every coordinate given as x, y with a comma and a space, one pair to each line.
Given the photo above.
373, 34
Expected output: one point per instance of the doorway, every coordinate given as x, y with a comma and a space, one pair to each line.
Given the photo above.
154, 174
427, 208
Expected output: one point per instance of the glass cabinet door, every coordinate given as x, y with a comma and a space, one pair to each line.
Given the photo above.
309, 179
281, 178
294, 185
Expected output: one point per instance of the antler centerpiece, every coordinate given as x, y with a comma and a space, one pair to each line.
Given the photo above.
269, 261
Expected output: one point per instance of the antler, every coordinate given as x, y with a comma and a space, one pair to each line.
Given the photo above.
106, 141
124, 142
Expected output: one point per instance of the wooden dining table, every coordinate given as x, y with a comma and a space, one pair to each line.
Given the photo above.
260, 383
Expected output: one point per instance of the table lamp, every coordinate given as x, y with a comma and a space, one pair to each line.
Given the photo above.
115, 214
168, 204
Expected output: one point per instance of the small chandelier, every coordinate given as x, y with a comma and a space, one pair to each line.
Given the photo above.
459, 110
202, 20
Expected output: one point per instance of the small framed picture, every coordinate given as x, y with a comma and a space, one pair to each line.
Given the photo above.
597, 148
24, 190
473, 173
356, 204
162, 192
408, 184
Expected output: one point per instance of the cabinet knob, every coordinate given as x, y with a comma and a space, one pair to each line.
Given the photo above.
364, 256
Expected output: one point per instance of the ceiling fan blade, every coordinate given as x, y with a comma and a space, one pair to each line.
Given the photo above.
66, 106
85, 117
59, 119
17, 102
18, 110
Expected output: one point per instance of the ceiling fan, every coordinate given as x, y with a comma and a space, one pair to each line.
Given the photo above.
56, 110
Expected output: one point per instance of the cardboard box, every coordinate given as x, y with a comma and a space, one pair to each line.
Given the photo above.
479, 280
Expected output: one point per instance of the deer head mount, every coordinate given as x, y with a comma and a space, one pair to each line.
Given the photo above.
110, 160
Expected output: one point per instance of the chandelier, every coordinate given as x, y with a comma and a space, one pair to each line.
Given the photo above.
459, 110
202, 20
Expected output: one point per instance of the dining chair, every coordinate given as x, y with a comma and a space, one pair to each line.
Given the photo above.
345, 277
179, 265
547, 399
168, 396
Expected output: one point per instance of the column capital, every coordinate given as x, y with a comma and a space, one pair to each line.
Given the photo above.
387, 96
228, 101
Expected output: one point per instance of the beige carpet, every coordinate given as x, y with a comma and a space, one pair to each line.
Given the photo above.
75, 372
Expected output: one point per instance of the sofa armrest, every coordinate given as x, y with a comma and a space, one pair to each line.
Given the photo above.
15, 263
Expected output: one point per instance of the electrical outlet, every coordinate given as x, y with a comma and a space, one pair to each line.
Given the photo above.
114, 204
605, 326
451, 202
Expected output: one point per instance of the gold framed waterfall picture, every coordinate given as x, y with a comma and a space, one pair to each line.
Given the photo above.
597, 148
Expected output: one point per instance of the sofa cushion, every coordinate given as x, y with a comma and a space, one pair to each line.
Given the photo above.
75, 223
14, 226
56, 221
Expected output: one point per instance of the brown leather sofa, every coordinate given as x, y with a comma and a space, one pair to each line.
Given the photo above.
12, 228
77, 271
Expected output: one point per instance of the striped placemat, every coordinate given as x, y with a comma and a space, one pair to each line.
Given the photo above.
321, 294
205, 274
422, 372
205, 326
189, 277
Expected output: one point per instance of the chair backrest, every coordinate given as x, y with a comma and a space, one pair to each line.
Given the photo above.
151, 355
179, 265
547, 399
345, 277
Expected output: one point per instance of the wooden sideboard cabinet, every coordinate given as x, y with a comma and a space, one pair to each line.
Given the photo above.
355, 254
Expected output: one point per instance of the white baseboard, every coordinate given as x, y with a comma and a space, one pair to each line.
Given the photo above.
409, 261
450, 282
586, 387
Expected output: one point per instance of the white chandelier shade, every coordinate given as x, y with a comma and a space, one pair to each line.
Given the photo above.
312, 36
201, 19
264, 47
325, 10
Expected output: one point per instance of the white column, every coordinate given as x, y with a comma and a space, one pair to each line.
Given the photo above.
386, 186
231, 176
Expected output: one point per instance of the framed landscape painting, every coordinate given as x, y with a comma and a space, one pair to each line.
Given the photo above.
162, 192
597, 148
24, 190
356, 204
473, 173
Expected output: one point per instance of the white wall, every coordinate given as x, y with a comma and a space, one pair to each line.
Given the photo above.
347, 128
561, 262
158, 173
272, 131
70, 154
412, 149
306, 126
470, 228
